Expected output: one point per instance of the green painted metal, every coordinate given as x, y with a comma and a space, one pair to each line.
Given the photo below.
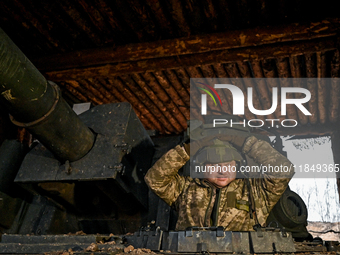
23, 89
38, 106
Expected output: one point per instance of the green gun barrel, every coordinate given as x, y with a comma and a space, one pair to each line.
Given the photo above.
36, 104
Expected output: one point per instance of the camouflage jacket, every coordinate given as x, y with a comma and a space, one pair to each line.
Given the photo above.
194, 198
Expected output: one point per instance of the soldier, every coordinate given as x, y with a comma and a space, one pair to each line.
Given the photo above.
220, 198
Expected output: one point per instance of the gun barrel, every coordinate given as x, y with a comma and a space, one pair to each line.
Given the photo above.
36, 104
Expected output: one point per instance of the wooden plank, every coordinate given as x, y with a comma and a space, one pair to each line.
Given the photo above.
40, 26
335, 88
323, 87
98, 21
176, 11
165, 25
283, 73
150, 79
118, 30
262, 87
321, 130
208, 72
137, 104
270, 73
111, 18
211, 14
233, 72
90, 87
218, 69
184, 46
245, 73
183, 93
69, 97
40, 21
195, 92
76, 86
194, 100
108, 97
73, 91
226, 102
192, 13
312, 87
174, 97
19, 22
55, 15
87, 90
170, 123
226, 16
295, 68
139, 21
224, 56
77, 17
148, 102
108, 84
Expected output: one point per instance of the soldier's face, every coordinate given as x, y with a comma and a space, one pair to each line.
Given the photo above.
221, 174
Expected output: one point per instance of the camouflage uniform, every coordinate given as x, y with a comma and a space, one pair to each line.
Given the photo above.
194, 198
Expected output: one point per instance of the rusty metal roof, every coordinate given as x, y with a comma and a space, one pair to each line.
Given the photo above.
146, 51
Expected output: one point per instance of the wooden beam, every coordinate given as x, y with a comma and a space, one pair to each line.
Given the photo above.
323, 87
190, 45
184, 61
321, 130
312, 87
334, 97
284, 73
297, 72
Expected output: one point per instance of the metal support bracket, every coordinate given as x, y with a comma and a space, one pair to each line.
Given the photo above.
146, 239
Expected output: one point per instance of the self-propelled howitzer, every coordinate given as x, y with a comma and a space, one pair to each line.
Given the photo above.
86, 174
89, 168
